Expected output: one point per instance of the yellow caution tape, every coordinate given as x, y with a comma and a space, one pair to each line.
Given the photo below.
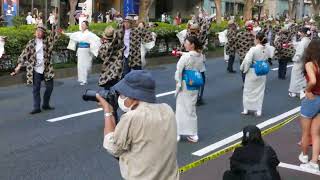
234, 146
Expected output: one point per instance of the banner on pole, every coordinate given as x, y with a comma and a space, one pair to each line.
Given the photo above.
131, 7
10, 10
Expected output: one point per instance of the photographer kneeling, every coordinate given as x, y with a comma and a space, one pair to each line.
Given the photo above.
145, 137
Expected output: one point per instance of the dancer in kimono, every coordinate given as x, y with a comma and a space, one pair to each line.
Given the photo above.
186, 116
200, 28
254, 86
298, 81
88, 46
37, 58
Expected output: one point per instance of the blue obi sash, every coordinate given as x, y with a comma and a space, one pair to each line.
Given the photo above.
83, 45
261, 67
193, 79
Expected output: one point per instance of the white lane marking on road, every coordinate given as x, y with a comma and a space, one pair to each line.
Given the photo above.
237, 136
276, 69
166, 94
74, 115
297, 168
94, 110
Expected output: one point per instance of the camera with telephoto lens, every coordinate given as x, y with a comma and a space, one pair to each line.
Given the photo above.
110, 96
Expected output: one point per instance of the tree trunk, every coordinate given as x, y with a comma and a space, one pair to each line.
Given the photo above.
218, 10
316, 7
144, 8
292, 8
73, 5
248, 10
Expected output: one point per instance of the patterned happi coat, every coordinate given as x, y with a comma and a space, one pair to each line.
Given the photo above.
137, 36
111, 53
205, 25
28, 57
244, 41
284, 37
231, 44
203, 34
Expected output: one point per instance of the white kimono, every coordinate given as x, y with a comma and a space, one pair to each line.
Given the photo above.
2, 43
223, 41
186, 115
145, 47
254, 86
182, 35
84, 55
298, 81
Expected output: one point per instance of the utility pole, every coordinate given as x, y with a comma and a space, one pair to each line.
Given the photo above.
32, 6
300, 9
234, 8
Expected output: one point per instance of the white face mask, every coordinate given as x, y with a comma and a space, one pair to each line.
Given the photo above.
122, 106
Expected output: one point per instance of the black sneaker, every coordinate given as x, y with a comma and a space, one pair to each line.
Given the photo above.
200, 103
35, 111
47, 108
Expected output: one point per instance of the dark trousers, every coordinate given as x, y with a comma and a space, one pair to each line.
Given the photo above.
127, 68
230, 62
110, 84
201, 90
243, 75
37, 79
283, 68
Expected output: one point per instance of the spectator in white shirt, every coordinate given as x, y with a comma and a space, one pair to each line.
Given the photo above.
29, 18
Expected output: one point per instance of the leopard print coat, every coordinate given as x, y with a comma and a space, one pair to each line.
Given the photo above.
283, 38
203, 35
244, 41
137, 36
231, 44
111, 53
28, 57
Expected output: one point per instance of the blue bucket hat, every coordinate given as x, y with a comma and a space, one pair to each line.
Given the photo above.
138, 84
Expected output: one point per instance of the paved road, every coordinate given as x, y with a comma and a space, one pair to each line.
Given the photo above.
32, 148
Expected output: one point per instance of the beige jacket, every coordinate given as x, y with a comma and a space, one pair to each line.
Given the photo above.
145, 142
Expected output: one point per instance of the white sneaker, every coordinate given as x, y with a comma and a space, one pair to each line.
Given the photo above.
83, 84
245, 112
258, 113
193, 139
311, 166
178, 138
303, 158
292, 94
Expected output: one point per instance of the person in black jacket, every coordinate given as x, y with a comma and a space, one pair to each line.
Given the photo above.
254, 160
